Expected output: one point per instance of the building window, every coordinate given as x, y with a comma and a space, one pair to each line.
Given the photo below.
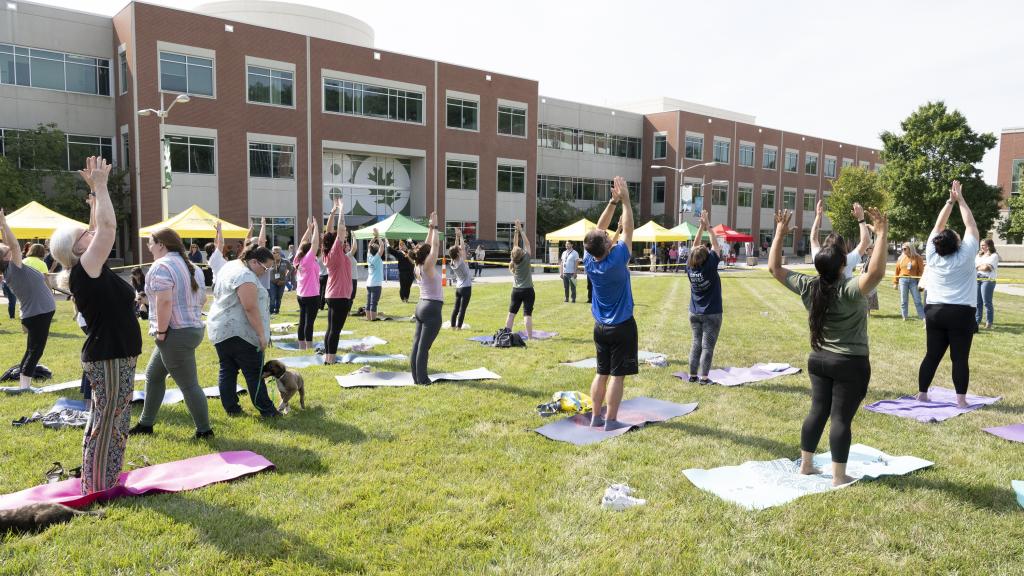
269, 86
82, 147
463, 114
186, 74
54, 70
865, 164
191, 155
280, 230
746, 154
791, 160
569, 188
830, 167
660, 146
770, 159
561, 138
768, 198
788, 199
271, 160
468, 229
810, 199
847, 162
878, 167
511, 178
461, 175
787, 240
554, 187
357, 99
658, 191
694, 147
122, 72
745, 196
720, 194
503, 231
1016, 175
512, 121
125, 149
811, 164
721, 151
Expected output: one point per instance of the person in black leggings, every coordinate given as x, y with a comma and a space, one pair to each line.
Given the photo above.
307, 283
462, 278
838, 364
952, 297
339, 282
406, 275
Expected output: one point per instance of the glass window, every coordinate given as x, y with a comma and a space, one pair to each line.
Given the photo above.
269, 86
847, 162
503, 231
694, 147
80, 75
768, 197
47, 70
82, 147
357, 99
810, 199
511, 121
192, 155
745, 196
1016, 175
6, 64
511, 178
830, 167
791, 161
811, 164
660, 146
468, 229
658, 192
720, 194
271, 160
721, 151
746, 154
463, 114
461, 175
187, 74
770, 159
122, 73
788, 199
865, 164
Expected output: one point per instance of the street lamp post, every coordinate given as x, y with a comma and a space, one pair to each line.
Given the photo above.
165, 184
679, 172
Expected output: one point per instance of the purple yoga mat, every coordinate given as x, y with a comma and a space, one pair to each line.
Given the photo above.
168, 477
637, 412
1013, 432
942, 405
738, 376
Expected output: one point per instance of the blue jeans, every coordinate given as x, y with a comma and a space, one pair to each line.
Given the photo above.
276, 293
909, 285
986, 290
12, 300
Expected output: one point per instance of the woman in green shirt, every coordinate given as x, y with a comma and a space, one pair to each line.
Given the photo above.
838, 364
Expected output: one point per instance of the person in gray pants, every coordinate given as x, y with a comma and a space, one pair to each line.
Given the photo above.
705, 304
428, 309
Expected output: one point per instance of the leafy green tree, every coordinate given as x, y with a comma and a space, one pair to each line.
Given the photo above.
853, 185
936, 147
1012, 228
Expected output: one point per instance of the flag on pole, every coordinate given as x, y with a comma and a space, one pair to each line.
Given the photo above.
686, 198
166, 163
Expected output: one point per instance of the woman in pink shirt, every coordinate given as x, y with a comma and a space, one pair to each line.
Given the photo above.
307, 279
339, 281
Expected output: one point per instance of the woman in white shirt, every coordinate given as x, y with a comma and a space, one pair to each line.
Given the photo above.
987, 265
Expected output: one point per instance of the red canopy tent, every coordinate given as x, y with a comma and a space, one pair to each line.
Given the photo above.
730, 235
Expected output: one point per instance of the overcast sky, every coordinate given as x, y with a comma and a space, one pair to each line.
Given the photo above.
839, 70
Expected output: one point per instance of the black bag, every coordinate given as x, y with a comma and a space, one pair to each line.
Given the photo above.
14, 373
505, 338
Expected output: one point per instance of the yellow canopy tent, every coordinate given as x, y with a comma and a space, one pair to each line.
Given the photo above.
654, 232
197, 223
33, 220
575, 232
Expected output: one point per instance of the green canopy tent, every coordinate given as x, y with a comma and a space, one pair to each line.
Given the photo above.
394, 227
690, 231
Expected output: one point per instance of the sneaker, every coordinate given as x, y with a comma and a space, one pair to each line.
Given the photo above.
140, 428
202, 435
692, 379
704, 381
618, 501
623, 488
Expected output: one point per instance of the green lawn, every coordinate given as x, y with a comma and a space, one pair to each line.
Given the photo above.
450, 479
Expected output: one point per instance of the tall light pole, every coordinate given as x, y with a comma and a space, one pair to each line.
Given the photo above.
679, 172
165, 160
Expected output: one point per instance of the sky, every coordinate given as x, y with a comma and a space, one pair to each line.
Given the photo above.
844, 71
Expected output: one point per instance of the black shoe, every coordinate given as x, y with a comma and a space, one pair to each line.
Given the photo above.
140, 428
566, 300
692, 379
236, 413
573, 300
704, 381
272, 416
202, 435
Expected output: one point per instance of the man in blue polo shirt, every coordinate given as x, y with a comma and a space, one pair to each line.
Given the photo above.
615, 334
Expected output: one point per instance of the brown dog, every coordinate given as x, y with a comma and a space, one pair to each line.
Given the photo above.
288, 383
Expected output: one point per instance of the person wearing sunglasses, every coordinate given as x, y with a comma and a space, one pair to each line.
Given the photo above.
909, 269
238, 324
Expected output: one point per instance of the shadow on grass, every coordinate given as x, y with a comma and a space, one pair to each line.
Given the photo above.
995, 498
287, 459
772, 447
313, 422
1015, 329
245, 536
496, 387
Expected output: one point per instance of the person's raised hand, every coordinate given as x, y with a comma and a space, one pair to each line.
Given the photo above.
375, 233
782, 218
956, 191
433, 219
879, 220
263, 220
619, 183
819, 207
858, 211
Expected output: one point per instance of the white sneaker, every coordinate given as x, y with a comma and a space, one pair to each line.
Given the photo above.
618, 501
624, 488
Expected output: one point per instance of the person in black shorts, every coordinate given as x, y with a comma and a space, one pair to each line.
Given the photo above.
523, 294
615, 332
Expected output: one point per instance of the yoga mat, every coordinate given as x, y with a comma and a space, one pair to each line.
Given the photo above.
293, 345
738, 376
174, 395
756, 485
66, 404
642, 356
942, 405
366, 342
295, 337
1018, 487
1013, 432
282, 326
177, 476
302, 361
69, 385
636, 412
374, 379
357, 358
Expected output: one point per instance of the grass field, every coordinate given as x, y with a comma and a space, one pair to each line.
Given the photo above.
450, 479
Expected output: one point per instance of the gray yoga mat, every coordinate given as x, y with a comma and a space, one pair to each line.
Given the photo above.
370, 379
69, 385
636, 412
295, 337
174, 395
642, 356
302, 361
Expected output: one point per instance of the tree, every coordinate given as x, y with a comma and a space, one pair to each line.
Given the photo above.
1012, 228
853, 185
936, 147
554, 214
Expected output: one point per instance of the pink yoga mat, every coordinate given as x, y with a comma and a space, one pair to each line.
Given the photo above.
177, 476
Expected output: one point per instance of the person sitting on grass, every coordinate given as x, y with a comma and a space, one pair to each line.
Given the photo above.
615, 331
838, 364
